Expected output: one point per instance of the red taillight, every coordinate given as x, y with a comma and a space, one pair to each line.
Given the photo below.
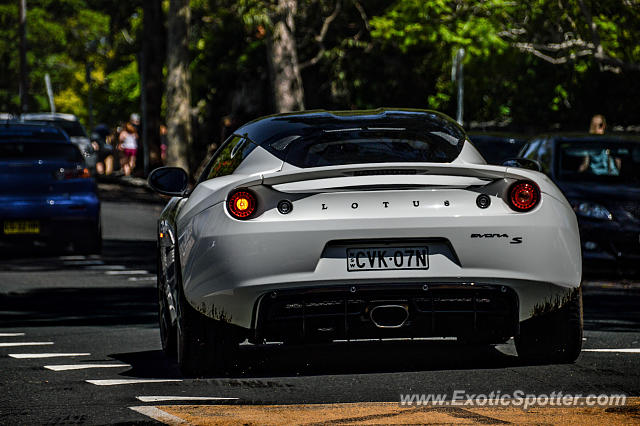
523, 196
242, 204
77, 173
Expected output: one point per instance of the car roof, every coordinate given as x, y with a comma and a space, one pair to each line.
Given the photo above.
268, 129
48, 116
584, 136
31, 132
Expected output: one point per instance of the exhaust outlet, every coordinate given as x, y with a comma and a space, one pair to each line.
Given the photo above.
389, 316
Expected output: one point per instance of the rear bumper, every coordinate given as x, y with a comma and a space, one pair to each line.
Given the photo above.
61, 220
486, 312
507, 303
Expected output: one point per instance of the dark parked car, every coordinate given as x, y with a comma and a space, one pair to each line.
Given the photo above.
497, 147
600, 176
47, 195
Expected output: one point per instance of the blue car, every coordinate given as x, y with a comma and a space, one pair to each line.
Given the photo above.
47, 195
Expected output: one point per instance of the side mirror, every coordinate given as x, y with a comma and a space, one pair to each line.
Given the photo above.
523, 163
171, 181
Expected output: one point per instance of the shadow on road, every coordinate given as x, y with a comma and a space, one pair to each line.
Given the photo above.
79, 307
608, 309
149, 364
335, 359
134, 254
79, 301
368, 357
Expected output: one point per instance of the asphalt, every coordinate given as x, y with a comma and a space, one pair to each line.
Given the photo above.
127, 189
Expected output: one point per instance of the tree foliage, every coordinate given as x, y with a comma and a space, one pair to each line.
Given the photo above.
536, 64
566, 58
64, 38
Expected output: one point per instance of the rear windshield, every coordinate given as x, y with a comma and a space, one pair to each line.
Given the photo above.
35, 133
40, 151
72, 128
359, 146
599, 161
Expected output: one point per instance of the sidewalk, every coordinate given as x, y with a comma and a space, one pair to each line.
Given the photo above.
127, 189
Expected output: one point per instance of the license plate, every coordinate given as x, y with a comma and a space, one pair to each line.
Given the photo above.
21, 227
387, 258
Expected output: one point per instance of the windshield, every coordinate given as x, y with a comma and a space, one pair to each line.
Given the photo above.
599, 161
361, 146
497, 149
39, 151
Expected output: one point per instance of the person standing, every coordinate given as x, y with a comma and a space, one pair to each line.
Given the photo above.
129, 147
101, 140
603, 162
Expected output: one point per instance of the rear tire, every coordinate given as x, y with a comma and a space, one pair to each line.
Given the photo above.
168, 279
204, 346
555, 337
168, 332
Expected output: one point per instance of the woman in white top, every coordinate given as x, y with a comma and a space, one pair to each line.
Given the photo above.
129, 148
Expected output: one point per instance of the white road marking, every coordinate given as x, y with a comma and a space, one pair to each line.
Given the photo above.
49, 355
131, 272
72, 257
623, 350
105, 267
159, 415
82, 262
65, 367
152, 278
182, 398
129, 381
11, 334
7, 345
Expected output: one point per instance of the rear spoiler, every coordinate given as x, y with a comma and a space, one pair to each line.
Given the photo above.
448, 169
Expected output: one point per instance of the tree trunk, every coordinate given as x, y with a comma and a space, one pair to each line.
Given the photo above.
153, 53
283, 59
178, 91
24, 73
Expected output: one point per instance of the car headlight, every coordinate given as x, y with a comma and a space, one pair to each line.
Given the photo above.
592, 210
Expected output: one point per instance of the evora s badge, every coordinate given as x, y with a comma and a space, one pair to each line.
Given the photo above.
514, 240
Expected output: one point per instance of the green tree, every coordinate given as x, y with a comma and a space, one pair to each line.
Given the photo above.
556, 55
64, 37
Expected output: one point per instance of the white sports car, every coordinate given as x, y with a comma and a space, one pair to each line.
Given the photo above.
325, 226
